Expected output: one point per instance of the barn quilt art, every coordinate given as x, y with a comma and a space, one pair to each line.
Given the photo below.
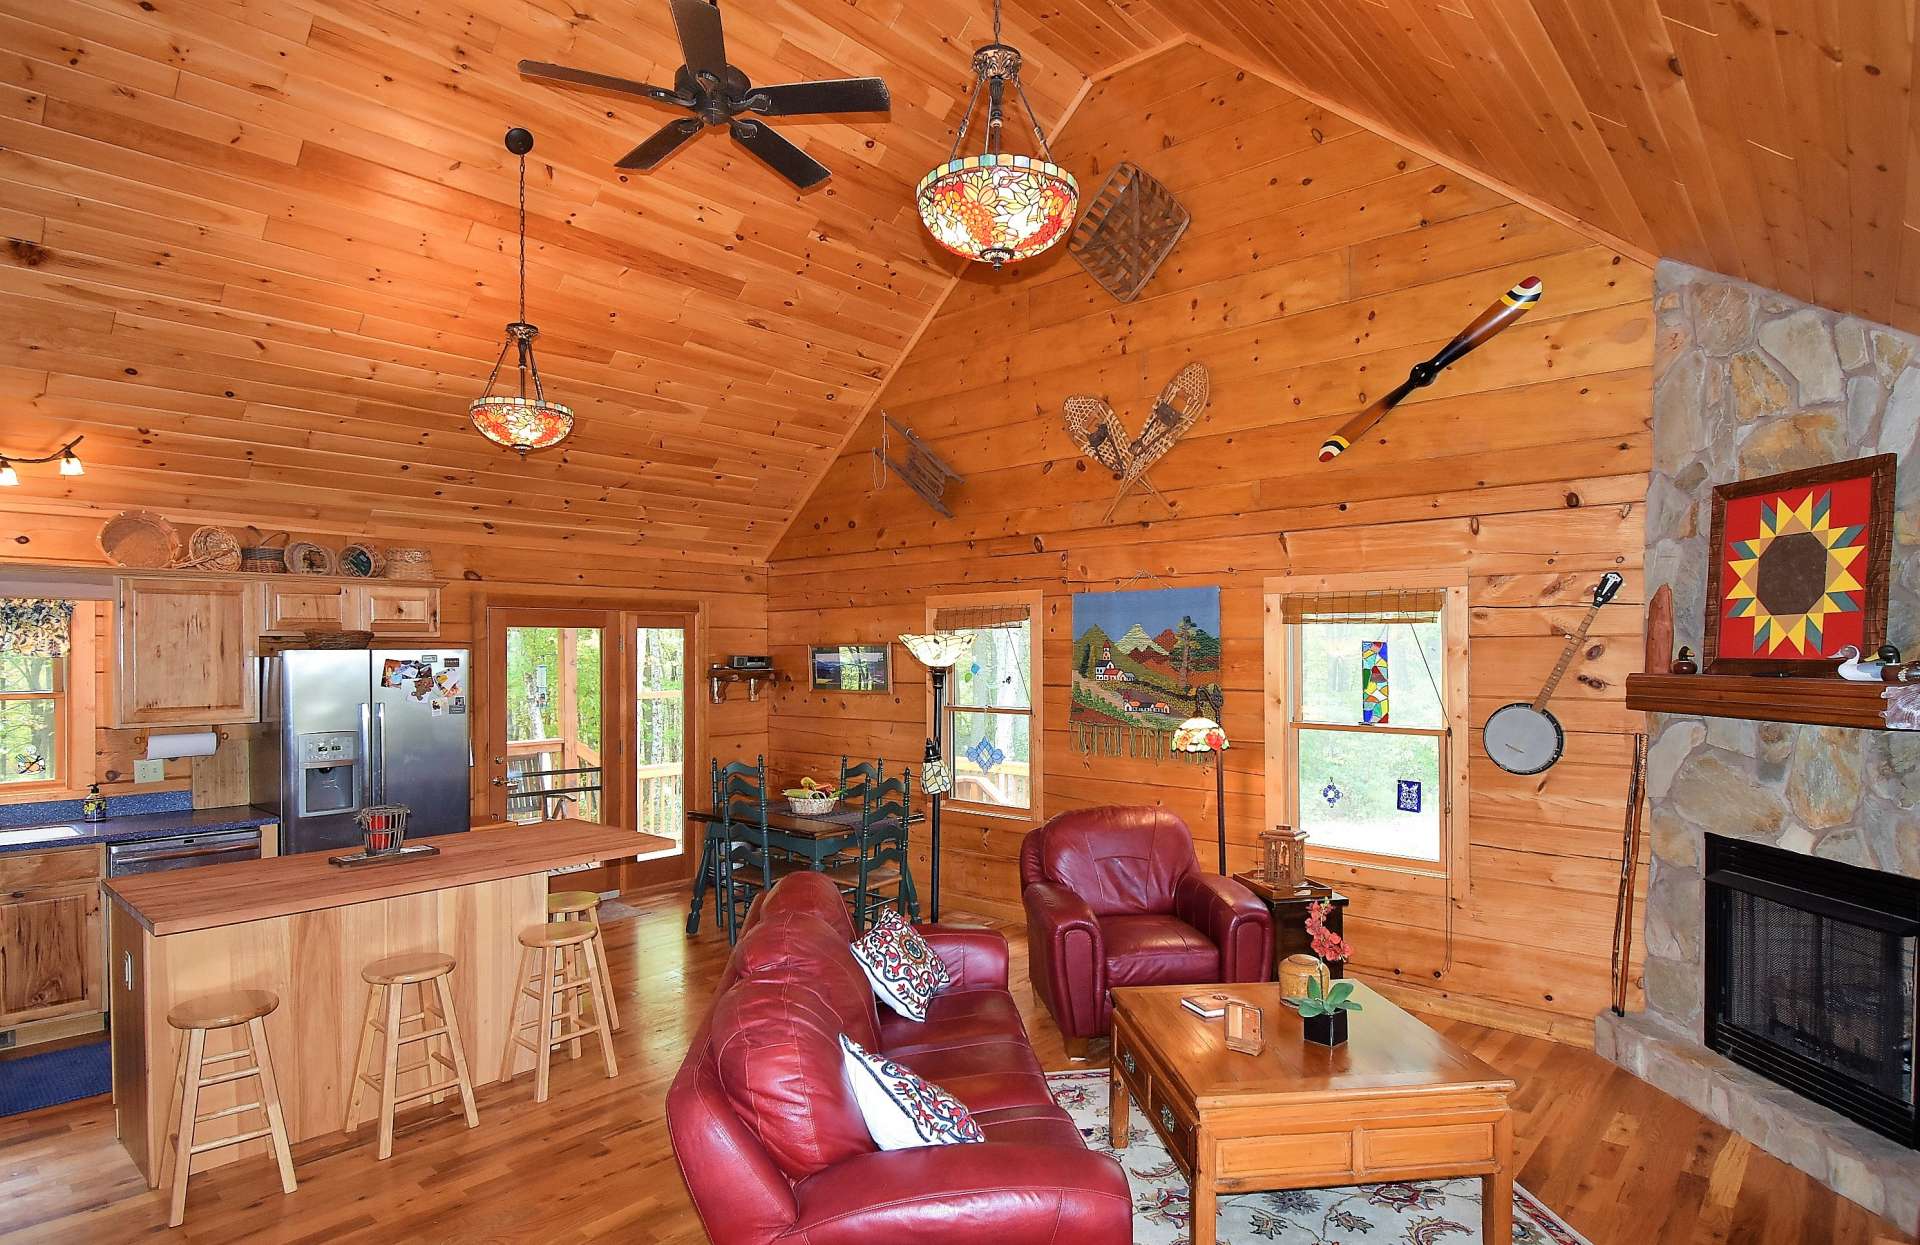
1800, 567
1143, 662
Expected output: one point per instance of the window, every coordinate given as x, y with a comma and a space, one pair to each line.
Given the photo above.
46, 717
33, 700
1370, 695
992, 733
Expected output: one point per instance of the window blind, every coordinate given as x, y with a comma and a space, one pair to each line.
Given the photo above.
979, 617
1417, 605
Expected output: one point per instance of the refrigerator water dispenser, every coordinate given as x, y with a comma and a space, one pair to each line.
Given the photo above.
329, 766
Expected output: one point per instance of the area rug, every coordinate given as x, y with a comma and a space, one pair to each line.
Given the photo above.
1430, 1212
35, 1081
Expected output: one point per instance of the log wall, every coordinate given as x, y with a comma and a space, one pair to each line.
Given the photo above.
1322, 262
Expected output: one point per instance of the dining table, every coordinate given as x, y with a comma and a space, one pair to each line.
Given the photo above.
816, 839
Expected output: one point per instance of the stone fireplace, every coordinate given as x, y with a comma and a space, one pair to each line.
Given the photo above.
1749, 382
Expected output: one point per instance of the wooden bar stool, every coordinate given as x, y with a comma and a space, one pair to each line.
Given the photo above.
557, 962
570, 905
196, 1018
387, 981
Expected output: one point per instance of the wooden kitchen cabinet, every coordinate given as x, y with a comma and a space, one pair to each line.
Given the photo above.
185, 651
391, 609
298, 606
51, 933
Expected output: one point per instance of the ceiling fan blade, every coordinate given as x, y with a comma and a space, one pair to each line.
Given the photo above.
1515, 303
796, 99
606, 82
789, 161
665, 141
698, 22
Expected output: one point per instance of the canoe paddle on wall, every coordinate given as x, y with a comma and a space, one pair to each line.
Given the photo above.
1515, 303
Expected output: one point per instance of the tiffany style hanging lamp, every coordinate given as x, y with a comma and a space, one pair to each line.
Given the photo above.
526, 420
997, 207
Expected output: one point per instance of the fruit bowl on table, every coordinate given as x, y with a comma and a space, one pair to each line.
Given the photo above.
809, 799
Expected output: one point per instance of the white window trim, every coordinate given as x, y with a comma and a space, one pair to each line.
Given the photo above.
1281, 791
1036, 728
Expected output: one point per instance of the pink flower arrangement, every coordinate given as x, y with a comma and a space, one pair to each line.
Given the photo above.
1328, 945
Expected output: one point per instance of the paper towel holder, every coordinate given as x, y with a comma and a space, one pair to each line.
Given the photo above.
144, 742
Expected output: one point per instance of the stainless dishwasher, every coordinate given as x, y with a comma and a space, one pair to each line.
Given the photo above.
182, 851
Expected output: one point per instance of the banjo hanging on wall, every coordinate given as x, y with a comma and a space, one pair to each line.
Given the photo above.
1523, 737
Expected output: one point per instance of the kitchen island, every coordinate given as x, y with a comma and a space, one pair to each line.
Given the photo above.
303, 928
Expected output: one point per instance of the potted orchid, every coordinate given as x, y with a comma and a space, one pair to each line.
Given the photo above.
1323, 1015
1332, 949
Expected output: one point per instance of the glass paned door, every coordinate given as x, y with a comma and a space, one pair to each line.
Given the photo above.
554, 723
660, 720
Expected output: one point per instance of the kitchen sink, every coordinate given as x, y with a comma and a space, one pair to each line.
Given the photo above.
39, 834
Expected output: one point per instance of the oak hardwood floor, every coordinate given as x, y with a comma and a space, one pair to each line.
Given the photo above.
1622, 1162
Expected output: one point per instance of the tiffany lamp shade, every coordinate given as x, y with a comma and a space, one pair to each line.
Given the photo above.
998, 207
938, 651
1205, 735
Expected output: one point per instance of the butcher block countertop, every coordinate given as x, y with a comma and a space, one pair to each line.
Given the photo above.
252, 890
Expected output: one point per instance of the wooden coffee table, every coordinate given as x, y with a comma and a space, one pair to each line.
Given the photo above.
1396, 1102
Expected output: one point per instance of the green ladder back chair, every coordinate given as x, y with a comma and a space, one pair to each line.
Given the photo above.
741, 856
881, 876
856, 785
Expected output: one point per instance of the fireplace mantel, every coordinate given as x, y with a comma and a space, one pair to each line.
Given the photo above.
1813, 702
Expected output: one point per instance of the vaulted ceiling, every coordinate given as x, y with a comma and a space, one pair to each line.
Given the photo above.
261, 252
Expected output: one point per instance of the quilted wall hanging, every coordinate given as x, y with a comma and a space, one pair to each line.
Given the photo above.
1143, 662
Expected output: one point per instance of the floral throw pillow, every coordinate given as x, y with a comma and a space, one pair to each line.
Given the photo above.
902, 968
903, 1110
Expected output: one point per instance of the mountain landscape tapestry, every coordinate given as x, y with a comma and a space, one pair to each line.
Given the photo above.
1143, 662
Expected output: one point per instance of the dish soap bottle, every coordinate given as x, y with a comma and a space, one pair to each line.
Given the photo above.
93, 807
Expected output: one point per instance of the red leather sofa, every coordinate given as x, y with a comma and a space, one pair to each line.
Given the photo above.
773, 1148
1115, 897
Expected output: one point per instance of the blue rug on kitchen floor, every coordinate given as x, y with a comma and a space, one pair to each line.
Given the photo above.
35, 1081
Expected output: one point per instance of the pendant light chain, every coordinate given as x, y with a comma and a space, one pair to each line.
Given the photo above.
523, 239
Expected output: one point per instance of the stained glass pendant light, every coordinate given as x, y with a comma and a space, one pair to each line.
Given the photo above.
997, 207
526, 420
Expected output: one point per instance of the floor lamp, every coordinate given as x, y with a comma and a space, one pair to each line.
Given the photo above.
938, 651
1205, 735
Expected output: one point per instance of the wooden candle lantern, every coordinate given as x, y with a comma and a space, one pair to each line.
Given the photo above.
1283, 857
1246, 1028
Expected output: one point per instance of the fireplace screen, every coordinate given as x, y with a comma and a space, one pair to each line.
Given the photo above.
1810, 978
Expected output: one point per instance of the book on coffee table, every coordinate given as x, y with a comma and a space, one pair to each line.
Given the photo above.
1206, 1006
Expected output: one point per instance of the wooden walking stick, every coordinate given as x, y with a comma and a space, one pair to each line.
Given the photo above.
1629, 869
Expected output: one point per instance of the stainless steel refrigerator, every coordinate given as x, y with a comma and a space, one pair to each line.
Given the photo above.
343, 729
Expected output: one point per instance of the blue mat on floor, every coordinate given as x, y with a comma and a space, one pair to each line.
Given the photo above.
35, 1081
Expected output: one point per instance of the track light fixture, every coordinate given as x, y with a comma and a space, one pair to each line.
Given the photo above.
70, 464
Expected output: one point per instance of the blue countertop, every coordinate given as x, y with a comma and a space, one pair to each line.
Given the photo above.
132, 827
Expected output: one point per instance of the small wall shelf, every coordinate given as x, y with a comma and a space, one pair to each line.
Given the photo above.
1816, 702
720, 677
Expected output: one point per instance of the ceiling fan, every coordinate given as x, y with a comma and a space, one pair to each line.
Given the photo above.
718, 94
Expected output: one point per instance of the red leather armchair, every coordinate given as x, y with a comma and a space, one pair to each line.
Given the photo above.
1115, 897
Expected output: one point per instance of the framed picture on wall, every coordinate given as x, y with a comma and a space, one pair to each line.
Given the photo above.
1799, 568
850, 667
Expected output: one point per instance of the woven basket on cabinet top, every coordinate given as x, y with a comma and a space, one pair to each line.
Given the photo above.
409, 564
212, 549
260, 554
140, 539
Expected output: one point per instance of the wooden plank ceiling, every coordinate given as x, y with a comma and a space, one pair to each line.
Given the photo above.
261, 252
1768, 139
